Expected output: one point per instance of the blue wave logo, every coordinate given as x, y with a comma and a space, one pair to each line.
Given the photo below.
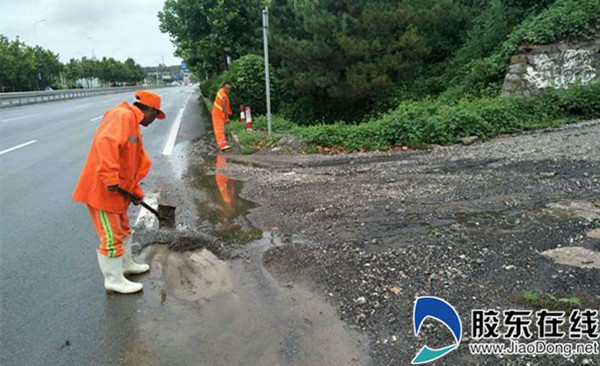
436, 308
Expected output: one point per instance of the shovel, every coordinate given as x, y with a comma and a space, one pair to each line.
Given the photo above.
165, 214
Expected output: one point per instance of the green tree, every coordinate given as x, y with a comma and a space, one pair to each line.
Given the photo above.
134, 73
206, 32
47, 68
345, 58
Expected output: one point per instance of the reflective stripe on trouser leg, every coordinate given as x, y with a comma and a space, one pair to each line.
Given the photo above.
111, 228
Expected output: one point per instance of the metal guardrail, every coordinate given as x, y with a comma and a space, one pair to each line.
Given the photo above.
21, 98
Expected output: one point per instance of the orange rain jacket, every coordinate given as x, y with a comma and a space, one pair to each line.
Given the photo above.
117, 156
219, 110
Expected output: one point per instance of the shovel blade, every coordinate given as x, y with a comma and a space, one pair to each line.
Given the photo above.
167, 216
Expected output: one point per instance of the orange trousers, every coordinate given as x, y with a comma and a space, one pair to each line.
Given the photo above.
218, 122
111, 228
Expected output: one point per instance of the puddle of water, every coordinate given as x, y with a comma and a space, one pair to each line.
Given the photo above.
501, 220
221, 206
200, 310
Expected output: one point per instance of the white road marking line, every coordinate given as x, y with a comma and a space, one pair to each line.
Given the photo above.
21, 117
170, 144
18, 147
95, 119
146, 218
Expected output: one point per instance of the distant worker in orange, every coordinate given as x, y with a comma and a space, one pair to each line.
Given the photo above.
220, 115
117, 159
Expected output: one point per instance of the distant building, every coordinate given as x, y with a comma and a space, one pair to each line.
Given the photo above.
88, 83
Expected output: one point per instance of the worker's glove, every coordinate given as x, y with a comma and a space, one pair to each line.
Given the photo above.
113, 188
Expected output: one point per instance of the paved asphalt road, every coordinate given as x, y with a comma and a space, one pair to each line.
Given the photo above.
50, 285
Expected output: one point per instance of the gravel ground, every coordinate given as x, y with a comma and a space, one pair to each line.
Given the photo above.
373, 231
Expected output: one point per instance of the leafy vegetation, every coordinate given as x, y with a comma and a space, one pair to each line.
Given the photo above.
108, 70
484, 74
415, 124
206, 32
549, 301
247, 74
24, 68
372, 74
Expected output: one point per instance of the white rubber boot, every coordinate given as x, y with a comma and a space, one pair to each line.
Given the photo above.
129, 266
114, 281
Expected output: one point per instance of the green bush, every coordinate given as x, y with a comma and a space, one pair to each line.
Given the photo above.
417, 124
247, 75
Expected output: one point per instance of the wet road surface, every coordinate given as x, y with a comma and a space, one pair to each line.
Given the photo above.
208, 299
50, 284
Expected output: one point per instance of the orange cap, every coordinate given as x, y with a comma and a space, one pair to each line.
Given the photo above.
151, 99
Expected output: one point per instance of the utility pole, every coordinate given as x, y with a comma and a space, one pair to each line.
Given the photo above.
265, 17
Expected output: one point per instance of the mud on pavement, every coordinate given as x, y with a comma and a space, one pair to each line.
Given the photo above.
481, 226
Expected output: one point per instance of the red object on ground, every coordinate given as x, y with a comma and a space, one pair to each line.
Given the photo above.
242, 114
248, 119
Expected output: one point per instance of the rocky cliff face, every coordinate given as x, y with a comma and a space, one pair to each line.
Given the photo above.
540, 67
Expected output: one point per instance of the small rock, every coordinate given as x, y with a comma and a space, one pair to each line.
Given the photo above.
66, 344
594, 234
361, 300
469, 140
547, 174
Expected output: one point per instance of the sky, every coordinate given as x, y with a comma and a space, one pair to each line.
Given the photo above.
76, 28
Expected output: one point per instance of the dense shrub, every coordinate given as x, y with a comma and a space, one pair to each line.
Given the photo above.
416, 124
247, 76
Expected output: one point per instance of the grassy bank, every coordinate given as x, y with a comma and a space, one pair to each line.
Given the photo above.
418, 124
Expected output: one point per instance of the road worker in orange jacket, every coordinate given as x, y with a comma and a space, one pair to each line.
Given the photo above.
220, 115
117, 159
